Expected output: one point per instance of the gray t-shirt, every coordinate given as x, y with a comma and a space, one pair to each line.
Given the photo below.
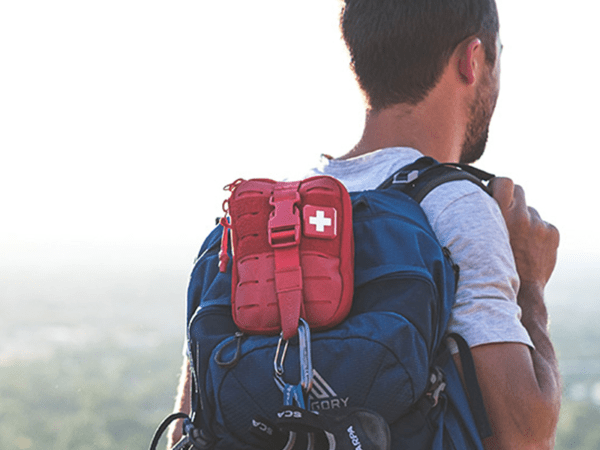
467, 221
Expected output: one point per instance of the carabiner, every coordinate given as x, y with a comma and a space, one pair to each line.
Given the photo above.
277, 364
306, 369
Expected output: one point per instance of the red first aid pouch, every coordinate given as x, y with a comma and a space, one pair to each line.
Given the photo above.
293, 254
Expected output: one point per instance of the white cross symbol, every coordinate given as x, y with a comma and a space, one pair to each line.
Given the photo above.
320, 221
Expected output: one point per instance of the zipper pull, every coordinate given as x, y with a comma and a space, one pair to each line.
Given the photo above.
223, 255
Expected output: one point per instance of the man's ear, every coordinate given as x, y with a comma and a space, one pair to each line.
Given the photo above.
471, 51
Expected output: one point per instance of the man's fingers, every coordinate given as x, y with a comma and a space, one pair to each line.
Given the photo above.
533, 241
553, 233
513, 204
502, 190
510, 197
519, 202
534, 214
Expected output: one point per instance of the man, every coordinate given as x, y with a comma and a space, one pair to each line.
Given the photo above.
429, 70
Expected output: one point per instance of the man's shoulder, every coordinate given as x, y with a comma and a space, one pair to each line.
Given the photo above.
464, 207
465, 193
368, 171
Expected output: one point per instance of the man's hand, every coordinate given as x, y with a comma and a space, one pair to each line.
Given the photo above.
534, 242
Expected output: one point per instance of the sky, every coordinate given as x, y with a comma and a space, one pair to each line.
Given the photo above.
121, 121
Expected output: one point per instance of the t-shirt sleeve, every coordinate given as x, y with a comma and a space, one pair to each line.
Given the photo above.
469, 223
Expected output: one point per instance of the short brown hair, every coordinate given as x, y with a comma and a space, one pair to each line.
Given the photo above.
399, 48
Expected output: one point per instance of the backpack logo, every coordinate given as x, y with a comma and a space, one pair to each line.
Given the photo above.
262, 427
289, 414
354, 438
322, 397
320, 222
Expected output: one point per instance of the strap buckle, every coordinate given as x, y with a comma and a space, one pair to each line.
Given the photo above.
437, 385
407, 177
284, 223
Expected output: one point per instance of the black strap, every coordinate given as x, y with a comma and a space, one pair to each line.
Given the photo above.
472, 386
192, 440
425, 174
340, 429
163, 427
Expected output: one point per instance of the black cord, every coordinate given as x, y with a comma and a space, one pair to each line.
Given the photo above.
163, 427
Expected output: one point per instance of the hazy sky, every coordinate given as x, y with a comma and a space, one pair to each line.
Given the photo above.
120, 121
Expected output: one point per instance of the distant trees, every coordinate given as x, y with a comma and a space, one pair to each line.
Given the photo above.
102, 398
579, 427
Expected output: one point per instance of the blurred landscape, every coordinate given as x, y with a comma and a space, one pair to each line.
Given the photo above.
90, 353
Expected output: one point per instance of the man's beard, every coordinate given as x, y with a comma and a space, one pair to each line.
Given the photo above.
478, 128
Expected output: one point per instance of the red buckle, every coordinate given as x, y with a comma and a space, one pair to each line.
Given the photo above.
284, 223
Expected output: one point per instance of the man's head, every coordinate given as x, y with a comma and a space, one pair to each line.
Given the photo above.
399, 48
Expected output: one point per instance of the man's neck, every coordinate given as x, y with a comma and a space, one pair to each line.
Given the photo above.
424, 127
435, 126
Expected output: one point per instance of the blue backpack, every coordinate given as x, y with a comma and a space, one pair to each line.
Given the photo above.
382, 379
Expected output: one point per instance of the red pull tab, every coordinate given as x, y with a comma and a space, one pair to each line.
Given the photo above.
223, 255
284, 237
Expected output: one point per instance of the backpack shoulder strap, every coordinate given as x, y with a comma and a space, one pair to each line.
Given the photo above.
474, 395
425, 174
417, 180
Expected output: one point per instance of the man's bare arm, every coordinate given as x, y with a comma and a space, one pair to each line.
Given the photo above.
182, 403
521, 386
